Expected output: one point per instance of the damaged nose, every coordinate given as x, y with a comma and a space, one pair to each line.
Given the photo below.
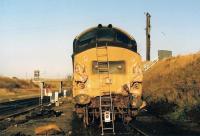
81, 85
82, 99
136, 102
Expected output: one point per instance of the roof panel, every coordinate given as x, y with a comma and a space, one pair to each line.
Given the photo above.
102, 35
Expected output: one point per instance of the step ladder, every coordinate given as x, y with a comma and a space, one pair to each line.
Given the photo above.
105, 100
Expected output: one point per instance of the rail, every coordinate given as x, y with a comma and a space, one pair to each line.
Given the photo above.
15, 108
139, 131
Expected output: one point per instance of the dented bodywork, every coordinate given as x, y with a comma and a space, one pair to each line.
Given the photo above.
124, 85
125, 73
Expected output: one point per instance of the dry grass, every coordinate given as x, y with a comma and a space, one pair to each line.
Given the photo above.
173, 86
14, 88
13, 83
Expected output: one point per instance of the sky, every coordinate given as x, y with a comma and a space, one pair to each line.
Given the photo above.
38, 34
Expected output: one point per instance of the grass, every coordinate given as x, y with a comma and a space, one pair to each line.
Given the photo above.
14, 83
14, 88
172, 87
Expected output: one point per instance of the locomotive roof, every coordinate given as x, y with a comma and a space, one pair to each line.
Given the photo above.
102, 35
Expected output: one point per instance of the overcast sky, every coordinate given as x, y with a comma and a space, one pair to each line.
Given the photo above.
38, 34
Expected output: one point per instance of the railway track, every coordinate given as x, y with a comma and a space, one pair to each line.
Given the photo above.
128, 129
138, 131
121, 129
15, 108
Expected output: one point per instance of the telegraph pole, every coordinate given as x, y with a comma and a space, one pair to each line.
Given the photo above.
148, 41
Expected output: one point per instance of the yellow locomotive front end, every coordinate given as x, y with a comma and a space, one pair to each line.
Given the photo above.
106, 63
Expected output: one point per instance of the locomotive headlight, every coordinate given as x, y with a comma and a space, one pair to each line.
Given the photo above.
136, 85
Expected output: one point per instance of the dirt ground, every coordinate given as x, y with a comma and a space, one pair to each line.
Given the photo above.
70, 125
28, 128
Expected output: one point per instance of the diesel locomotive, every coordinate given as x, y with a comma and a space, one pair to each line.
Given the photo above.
107, 76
